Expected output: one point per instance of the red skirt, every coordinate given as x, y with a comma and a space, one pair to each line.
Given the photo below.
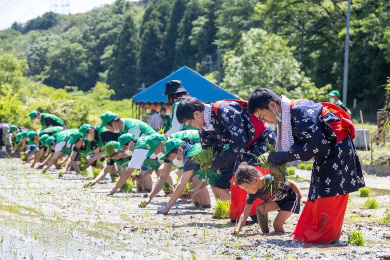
238, 199
321, 221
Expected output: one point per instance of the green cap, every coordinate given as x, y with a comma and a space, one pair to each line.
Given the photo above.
43, 139
49, 141
152, 142
334, 93
12, 128
107, 117
23, 135
125, 139
115, 144
170, 145
31, 135
74, 137
32, 114
18, 135
83, 130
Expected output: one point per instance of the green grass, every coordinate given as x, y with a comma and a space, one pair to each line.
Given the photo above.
371, 204
301, 166
290, 171
386, 218
221, 209
127, 186
365, 192
355, 238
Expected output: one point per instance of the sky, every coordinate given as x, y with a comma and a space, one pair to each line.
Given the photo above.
24, 10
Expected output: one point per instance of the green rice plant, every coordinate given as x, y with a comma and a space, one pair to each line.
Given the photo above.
371, 204
127, 186
168, 189
161, 130
355, 238
95, 172
110, 149
205, 158
290, 171
309, 167
279, 172
222, 208
365, 192
386, 218
301, 166
186, 192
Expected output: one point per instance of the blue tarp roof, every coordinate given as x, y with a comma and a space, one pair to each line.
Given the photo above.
196, 85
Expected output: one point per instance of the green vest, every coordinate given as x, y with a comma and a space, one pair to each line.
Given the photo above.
141, 143
52, 117
137, 128
51, 130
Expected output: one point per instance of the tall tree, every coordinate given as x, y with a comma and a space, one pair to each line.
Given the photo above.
122, 73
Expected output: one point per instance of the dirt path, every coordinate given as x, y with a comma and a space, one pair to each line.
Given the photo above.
43, 217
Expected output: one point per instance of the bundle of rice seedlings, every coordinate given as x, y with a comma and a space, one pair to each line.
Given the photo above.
186, 192
279, 172
95, 172
205, 158
301, 166
291, 171
386, 218
127, 186
371, 204
84, 172
222, 208
142, 204
364, 192
168, 189
355, 238
110, 149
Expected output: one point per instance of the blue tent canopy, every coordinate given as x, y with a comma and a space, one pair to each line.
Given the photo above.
196, 85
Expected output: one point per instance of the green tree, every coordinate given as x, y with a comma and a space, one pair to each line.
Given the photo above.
37, 54
122, 73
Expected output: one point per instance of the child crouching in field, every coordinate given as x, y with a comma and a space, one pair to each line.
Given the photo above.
282, 196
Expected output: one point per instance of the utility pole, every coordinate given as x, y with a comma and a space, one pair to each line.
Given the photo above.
345, 82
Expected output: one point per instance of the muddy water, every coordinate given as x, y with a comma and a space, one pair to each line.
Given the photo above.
43, 217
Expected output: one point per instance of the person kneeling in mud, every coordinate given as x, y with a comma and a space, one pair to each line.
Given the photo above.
180, 153
282, 196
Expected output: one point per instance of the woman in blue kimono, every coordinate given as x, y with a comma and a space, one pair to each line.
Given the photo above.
307, 129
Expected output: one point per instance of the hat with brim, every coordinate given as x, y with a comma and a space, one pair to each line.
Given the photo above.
74, 137
152, 142
12, 128
49, 141
107, 117
31, 135
170, 145
32, 114
83, 130
125, 139
174, 86
334, 93
43, 139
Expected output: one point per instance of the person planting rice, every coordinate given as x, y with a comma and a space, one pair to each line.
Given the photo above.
175, 93
308, 129
282, 196
45, 119
64, 143
147, 152
230, 131
121, 158
6, 137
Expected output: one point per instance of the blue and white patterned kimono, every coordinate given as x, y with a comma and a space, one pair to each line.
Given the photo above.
336, 169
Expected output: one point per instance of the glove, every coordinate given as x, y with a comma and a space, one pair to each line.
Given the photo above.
3, 149
278, 158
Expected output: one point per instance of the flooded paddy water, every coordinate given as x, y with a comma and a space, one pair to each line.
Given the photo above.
43, 217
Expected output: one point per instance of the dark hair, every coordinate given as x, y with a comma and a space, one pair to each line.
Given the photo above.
115, 120
185, 110
246, 174
260, 98
176, 149
163, 109
180, 95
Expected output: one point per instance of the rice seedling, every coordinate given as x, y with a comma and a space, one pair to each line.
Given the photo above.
371, 204
386, 218
279, 172
205, 158
301, 166
309, 166
110, 149
168, 189
186, 192
222, 208
161, 130
364, 192
95, 172
355, 238
290, 171
127, 186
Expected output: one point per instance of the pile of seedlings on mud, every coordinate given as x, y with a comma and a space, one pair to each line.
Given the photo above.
355, 238
222, 208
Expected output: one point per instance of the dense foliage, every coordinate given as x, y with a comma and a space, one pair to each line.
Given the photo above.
293, 47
